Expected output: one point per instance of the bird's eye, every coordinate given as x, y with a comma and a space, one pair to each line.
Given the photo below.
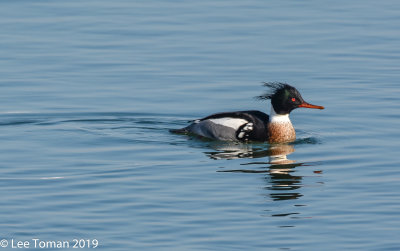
293, 99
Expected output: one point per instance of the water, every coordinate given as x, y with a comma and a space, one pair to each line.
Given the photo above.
90, 89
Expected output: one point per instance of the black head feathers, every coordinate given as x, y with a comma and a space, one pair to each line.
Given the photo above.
284, 98
275, 87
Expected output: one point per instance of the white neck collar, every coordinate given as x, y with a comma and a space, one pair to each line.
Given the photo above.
278, 118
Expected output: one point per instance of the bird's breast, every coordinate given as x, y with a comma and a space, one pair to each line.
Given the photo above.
281, 132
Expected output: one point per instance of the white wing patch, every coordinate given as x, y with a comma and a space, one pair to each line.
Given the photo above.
245, 130
234, 123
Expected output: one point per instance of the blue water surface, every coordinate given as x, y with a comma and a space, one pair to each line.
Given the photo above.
90, 89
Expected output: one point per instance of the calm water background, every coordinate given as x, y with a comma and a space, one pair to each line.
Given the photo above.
89, 90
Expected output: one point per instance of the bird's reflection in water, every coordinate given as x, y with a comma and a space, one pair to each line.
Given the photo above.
282, 183
277, 153
232, 150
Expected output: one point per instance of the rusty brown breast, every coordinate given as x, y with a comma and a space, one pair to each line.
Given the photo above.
280, 132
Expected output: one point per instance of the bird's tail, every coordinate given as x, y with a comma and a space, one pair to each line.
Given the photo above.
179, 131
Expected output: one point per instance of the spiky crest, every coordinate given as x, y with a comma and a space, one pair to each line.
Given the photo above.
274, 88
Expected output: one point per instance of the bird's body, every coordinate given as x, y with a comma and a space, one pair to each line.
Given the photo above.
231, 126
254, 125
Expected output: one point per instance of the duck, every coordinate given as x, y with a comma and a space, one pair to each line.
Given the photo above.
253, 125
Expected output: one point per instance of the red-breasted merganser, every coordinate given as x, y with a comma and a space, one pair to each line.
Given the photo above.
254, 125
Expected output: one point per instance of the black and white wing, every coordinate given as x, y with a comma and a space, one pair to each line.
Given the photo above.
231, 126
